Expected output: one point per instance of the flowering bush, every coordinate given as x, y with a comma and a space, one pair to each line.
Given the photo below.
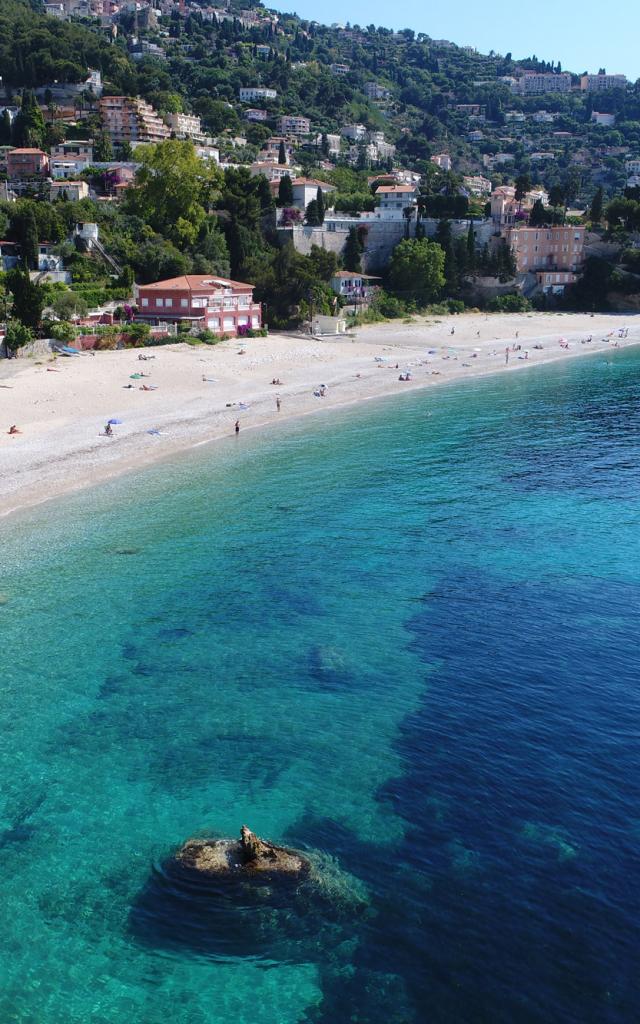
291, 215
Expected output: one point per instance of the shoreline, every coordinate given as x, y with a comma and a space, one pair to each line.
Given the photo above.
65, 454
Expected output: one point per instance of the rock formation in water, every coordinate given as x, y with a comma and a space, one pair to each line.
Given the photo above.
249, 855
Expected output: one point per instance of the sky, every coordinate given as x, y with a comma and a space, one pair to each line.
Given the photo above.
584, 35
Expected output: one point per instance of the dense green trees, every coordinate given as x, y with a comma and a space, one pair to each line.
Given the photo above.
417, 270
38, 50
625, 213
28, 298
290, 283
28, 129
173, 190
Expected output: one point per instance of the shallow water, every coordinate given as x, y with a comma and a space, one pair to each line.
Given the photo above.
405, 638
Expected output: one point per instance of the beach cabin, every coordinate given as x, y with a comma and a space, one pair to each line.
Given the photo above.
328, 325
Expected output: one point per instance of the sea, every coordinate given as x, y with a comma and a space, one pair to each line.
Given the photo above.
401, 637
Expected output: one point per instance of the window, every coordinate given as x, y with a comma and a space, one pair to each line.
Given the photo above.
184, 303
168, 302
160, 302
145, 302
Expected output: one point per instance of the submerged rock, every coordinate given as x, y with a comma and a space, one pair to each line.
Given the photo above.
225, 898
248, 855
328, 666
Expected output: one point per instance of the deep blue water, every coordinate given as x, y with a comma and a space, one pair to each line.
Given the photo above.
404, 639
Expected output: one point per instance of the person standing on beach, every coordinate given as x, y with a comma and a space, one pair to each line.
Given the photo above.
237, 426
506, 355
278, 402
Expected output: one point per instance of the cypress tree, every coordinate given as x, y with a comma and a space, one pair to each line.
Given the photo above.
471, 247
285, 191
5, 129
320, 205
312, 214
444, 238
28, 298
351, 252
595, 211
29, 241
282, 154
537, 217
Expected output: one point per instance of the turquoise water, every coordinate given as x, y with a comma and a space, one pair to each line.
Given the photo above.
405, 637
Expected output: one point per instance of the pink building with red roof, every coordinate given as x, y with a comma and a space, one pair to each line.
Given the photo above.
26, 163
203, 301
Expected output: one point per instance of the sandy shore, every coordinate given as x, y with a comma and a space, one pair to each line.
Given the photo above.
61, 405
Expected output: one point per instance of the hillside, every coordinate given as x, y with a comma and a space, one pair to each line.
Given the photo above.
267, 96
201, 61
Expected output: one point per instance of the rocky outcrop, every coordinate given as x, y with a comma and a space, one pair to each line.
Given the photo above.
249, 855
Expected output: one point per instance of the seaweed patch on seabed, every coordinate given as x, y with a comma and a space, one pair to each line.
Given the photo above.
253, 761
364, 980
549, 836
20, 829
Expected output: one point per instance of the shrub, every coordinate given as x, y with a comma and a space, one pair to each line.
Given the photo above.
137, 334
17, 335
511, 303
207, 337
389, 306
63, 331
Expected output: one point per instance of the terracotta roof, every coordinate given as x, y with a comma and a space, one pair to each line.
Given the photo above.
195, 282
347, 275
395, 189
311, 181
13, 151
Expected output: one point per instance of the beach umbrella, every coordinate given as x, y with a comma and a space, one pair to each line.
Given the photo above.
114, 421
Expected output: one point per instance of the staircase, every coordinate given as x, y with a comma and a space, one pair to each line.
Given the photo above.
93, 243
